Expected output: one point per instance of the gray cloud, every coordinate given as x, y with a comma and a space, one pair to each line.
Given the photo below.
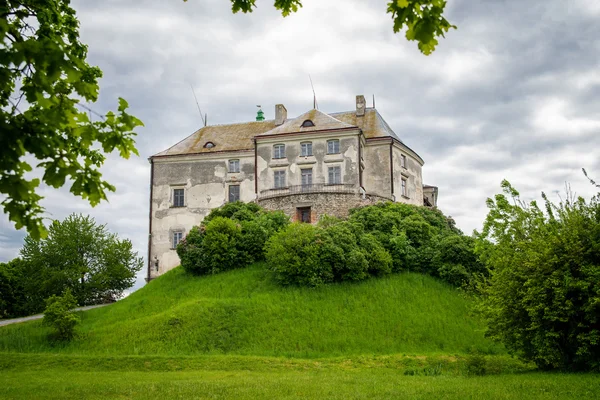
513, 93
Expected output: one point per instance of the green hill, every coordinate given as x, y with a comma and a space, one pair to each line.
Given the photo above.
243, 312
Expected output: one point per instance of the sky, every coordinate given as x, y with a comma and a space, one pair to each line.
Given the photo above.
513, 93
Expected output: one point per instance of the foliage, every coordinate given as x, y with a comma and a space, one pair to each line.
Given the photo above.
456, 262
221, 237
422, 18
334, 251
79, 255
422, 240
237, 210
43, 77
543, 299
475, 364
375, 240
232, 236
59, 315
13, 301
294, 256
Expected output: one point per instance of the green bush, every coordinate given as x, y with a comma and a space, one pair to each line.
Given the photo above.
232, 236
294, 256
59, 315
543, 298
378, 259
236, 210
456, 262
191, 252
221, 245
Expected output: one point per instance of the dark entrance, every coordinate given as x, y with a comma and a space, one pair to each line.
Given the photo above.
303, 214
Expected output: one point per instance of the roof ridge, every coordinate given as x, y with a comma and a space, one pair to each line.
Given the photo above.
237, 123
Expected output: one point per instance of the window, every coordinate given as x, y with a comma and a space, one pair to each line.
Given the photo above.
177, 236
333, 146
234, 165
209, 145
308, 123
306, 175
403, 161
335, 175
404, 192
279, 151
279, 178
306, 149
234, 193
178, 197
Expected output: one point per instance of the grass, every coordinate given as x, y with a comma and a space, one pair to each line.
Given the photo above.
52, 376
239, 335
243, 312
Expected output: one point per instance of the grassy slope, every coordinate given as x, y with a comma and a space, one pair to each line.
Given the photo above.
243, 312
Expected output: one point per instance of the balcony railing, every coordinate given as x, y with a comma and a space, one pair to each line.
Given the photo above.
304, 189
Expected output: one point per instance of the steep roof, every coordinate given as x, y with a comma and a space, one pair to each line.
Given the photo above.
239, 136
320, 122
229, 137
372, 123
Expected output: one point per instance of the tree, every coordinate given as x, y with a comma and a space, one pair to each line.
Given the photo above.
13, 301
44, 76
543, 298
82, 256
423, 19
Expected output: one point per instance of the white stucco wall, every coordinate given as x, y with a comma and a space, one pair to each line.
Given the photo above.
205, 179
293, 163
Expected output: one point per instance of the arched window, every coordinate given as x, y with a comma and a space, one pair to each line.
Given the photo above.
209, 145
308, 123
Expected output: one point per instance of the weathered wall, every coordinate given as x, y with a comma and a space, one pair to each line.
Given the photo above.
413, 175
376, 175
205, 180
336, 204
319, 161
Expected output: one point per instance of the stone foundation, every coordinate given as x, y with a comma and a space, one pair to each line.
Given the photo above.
334, 204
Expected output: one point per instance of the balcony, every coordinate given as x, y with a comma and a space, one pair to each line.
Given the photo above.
306, 189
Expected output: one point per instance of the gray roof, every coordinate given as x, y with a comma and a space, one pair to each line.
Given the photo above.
239, 136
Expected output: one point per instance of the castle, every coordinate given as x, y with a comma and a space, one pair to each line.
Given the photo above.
306, 166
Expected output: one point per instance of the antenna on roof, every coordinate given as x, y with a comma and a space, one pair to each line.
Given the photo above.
195, 98
373, 101
315, 104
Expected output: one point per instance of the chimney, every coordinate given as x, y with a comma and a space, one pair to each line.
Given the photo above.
280, 114
361, 104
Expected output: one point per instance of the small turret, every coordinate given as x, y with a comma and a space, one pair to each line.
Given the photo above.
260, 115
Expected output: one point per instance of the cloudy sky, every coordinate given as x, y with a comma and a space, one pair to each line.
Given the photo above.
513, 93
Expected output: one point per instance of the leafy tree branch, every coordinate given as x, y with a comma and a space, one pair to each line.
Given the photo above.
44, 76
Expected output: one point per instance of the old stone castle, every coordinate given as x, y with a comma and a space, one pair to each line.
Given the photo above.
307, 166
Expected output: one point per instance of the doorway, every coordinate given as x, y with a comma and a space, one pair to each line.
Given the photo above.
303, 214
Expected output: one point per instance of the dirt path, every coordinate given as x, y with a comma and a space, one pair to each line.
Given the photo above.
40, 316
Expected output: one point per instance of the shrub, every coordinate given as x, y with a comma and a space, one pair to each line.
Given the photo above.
252, 241
339, 249
59, 315
456, 262
543, 298
190, 251
220, 245
475, 364
236, 210
293, 255
232, 236
378, 259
